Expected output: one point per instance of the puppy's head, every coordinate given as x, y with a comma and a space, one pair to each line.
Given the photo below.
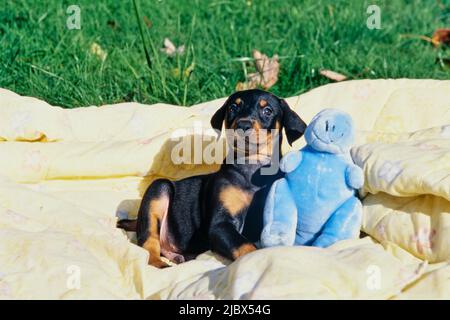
258, 110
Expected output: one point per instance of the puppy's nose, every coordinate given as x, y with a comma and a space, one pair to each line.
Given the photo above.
244, 125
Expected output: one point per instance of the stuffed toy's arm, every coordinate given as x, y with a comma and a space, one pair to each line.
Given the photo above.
354, 176
280, 216
345, 223
290, 161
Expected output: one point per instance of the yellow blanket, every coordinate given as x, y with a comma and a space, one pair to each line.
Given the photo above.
66, 174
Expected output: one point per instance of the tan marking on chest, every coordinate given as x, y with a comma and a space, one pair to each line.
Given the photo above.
235, 199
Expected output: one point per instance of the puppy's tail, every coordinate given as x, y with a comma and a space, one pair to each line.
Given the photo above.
127, 225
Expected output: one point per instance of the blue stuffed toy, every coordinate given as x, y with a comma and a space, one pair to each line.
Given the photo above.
315, 203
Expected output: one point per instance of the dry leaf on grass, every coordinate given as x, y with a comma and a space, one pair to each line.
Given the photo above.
266, 75
188, 71
147, 22
98, 51
333, 75
170, 49
441, 36
240, 86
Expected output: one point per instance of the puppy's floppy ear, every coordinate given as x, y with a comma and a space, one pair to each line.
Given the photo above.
294, 126
218, 117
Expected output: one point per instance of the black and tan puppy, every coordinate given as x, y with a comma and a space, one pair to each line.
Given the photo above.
221, 211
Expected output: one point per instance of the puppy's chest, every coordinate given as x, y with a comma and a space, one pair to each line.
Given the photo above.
236, 199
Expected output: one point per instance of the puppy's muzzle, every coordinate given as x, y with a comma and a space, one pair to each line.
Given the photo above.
244, 125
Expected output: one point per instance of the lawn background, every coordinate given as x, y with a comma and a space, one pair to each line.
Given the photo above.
40, 57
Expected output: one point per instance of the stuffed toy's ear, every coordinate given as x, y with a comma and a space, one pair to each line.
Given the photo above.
294, 126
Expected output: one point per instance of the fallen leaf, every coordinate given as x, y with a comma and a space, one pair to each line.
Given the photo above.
147, 22
333, 75
98, 51
189, 70
441, 36
268, 69
266, 75
240, 86
170, 49
415, 36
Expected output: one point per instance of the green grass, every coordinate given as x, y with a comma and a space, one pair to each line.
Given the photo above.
40, 57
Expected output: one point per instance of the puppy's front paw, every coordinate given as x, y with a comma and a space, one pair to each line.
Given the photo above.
275, 235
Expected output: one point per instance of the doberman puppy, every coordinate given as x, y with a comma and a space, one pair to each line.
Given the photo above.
221, 211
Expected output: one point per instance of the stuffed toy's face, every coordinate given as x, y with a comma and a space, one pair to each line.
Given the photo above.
331, 130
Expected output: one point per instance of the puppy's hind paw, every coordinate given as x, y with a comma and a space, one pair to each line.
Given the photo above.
158, 263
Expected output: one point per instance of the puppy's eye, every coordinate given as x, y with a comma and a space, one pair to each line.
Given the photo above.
267, 111
234, 107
